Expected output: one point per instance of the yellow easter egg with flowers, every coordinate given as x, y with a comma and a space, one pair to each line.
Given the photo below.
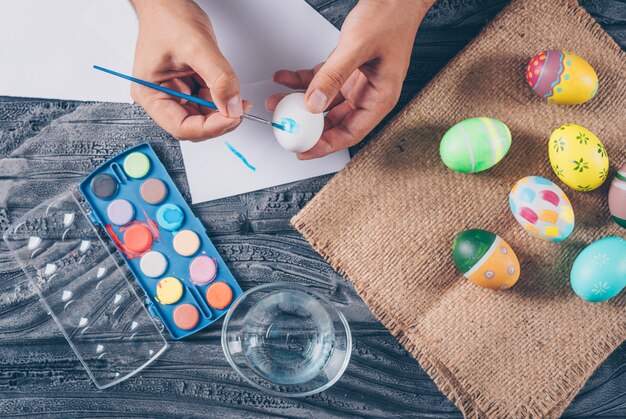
578, 157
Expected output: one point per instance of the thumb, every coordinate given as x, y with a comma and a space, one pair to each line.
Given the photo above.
331, 77
209, 62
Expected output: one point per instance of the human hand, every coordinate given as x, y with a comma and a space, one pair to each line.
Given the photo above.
361, 81
177, 48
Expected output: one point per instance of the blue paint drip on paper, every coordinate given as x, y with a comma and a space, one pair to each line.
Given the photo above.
239, 156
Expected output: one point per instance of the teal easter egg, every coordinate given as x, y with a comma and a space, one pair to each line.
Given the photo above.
475, 144
599, 271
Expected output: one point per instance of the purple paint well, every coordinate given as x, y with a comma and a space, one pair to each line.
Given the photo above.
202, 270
120, 212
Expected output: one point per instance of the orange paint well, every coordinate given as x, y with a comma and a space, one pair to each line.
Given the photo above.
219, 295
138, 238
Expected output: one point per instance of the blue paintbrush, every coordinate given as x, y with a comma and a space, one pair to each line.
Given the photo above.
189, 97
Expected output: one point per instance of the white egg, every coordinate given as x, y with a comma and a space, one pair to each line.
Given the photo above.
306, 127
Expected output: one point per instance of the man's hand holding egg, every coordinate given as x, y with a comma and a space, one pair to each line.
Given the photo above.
361, 81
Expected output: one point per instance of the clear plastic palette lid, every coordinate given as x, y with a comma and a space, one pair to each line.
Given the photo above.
85, 286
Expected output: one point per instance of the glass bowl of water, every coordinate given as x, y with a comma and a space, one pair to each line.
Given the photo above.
286, 339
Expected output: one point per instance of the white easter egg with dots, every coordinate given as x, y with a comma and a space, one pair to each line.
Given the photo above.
303, 128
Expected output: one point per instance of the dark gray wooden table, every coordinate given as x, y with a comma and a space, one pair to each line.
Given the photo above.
47, 145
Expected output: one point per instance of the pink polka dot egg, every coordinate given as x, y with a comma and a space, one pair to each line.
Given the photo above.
542, 208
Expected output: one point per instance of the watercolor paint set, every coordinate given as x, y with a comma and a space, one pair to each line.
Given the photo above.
186, 282
89, 254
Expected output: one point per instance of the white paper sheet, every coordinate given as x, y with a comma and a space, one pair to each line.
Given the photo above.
214, 171
47, 49
259, 37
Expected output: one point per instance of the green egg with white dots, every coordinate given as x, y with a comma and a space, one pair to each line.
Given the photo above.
475, 145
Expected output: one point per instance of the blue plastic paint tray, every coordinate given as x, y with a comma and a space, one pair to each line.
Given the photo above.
91, 251
186, 282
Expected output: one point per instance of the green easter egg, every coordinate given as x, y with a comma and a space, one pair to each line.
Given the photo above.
470, 246
475, 144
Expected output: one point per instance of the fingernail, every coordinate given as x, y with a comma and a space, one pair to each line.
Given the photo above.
317, 101
234, 107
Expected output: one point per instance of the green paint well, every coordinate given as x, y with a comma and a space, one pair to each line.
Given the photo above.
136, 165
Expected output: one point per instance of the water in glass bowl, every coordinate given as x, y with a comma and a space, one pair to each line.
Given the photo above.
288, 337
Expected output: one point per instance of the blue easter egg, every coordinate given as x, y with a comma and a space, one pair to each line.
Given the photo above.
599, 271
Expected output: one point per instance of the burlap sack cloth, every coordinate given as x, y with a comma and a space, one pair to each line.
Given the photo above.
388, 219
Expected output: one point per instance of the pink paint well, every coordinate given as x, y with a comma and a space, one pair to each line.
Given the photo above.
202, 270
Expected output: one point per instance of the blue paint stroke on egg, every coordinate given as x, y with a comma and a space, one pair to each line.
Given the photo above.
290, 126
239, 156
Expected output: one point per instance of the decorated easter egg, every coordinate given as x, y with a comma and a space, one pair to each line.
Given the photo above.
617, 197
599, 271
475, 144
561, 77
542, 208
485, 259
301, 129
578, 157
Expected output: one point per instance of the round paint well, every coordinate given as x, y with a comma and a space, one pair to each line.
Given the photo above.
120, 212
153, 191
186, 316
136, 165
103, 186
170, 217
219, 295
186, 242
153, 264
169, 290
138, 238
202, 270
